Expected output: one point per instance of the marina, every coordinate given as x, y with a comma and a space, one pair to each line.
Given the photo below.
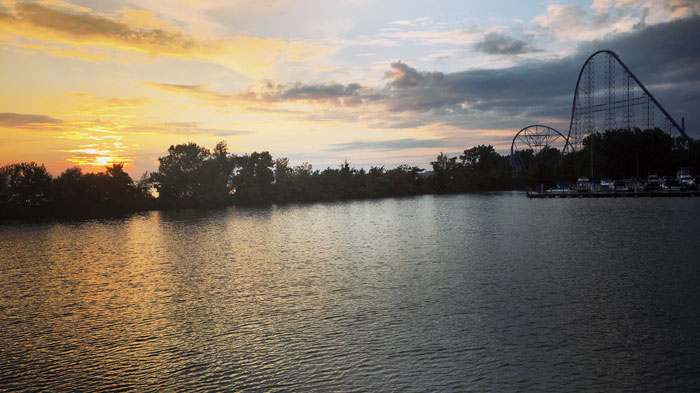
610, 194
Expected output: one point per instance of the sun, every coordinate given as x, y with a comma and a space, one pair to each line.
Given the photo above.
104, 160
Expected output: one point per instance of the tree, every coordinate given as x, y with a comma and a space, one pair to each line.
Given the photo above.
27, 184
25, 190
485, 169
223, 169
120, 189
215, 178
253, 178
283, 184
443, 173
305, 183
404, 180
179, 177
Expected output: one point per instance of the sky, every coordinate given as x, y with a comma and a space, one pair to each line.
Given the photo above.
374, 82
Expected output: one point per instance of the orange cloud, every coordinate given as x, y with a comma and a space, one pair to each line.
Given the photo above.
87, 105
58, 50
140, 33
181, 128
107, 131
201, 92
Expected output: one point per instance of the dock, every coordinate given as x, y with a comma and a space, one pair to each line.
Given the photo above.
612, 194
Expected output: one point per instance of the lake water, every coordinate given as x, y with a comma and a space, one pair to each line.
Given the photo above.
490, 292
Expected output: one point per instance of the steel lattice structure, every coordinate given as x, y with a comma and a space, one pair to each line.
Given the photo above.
594, 110
532, 140
617, 107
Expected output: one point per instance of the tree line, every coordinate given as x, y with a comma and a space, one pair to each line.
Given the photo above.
190, 175
27, 190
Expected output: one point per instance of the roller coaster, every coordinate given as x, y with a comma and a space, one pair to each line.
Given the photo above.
623, 102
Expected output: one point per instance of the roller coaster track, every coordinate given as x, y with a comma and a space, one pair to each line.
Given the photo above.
582, 121
531, 140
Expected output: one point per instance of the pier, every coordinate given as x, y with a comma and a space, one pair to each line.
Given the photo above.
628, 194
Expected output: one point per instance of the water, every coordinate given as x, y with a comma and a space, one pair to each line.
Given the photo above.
456, 293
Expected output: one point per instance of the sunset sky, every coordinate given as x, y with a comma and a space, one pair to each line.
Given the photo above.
374, 82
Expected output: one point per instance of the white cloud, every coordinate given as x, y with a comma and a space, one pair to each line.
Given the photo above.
403, 23
601, 6
436, 36
604, 17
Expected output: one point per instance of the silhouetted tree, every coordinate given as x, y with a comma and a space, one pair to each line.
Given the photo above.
284, 181
443, 173
485, 169
216, 178
180, 175
25, 190
404, 180
253, 178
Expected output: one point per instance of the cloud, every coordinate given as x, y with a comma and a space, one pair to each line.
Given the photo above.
331, 93
58, 50
660, 55
201, 92
394, 144
106, 130
606, 17
466, 36
533, 91
500, 44
563, 21
96, 156
86, 105
403, 76
27, 121
181, 128
141, 33
351, 94
672, 9
413, 90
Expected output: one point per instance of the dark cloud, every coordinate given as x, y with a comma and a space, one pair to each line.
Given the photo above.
334, 90
662, 53
501, 44
21, 120
665, 57
403, 76
86, 26
351, 94
478, 90
395, 144
335, 93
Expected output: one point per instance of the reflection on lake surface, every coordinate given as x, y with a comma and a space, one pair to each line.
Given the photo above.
471, 292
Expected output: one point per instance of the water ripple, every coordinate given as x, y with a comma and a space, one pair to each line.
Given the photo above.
436, 293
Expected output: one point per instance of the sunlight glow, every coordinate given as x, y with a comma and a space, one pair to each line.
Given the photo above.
129, 79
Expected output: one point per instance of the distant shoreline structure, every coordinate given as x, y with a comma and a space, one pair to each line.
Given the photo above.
643, 194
